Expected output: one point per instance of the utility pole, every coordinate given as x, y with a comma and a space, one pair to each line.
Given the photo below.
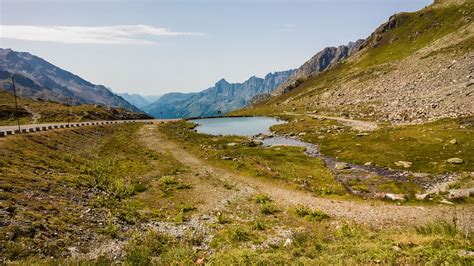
16, 103
68, 111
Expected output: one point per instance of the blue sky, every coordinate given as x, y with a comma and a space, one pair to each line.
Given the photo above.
154, 47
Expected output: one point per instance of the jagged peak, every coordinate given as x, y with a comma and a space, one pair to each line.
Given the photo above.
222, 81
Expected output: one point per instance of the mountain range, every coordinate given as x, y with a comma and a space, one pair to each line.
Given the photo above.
138, 100
36, 78
222, 98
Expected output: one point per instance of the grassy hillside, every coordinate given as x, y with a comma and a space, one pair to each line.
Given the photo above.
403, 73
73, 188
116, 194
31, 111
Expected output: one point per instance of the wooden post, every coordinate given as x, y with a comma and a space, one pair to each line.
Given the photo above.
16, 103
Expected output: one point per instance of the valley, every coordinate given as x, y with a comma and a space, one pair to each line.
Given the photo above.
163, 193
362, 155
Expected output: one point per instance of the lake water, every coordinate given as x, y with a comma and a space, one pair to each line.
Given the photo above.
239, 126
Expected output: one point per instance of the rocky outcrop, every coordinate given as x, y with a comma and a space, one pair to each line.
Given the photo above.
323, 60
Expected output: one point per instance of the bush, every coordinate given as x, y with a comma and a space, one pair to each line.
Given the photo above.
168, 180
258, 225
240, 235
268, 208
262, 198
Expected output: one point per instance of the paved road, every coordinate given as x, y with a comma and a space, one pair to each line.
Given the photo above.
11, 130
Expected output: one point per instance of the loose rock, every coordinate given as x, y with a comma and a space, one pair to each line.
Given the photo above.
342, 166
457, 194
455, 161
394, 197
403, 164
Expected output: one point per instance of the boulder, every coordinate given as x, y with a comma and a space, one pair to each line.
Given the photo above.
232, 144
394, 197
403, 164
302, 134
457, 194
453, 141
369, 164
226, 158
455, 161
342, 166
422, 196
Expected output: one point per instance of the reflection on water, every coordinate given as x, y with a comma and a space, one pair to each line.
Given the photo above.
239, 126
311, 149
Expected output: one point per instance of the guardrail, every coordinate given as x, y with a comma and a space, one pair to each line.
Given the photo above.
10, 130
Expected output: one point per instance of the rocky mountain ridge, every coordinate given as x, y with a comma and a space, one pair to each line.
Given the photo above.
414, 68
138, 100
223, 97
37, 78
325, 59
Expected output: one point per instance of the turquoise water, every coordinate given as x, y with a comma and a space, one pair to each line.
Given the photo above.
239, 126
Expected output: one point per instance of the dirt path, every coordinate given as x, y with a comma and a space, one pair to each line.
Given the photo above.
36, 115
354, 124
371, 212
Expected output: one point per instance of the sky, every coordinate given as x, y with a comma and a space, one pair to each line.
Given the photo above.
155, 47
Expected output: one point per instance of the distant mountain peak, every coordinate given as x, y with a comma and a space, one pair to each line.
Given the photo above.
220, 99
222, 81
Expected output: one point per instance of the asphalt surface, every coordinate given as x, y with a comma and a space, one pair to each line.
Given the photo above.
12, 130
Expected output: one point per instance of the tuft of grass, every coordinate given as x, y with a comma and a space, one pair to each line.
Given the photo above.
442, 228
262, 198
222, 218
309, 214
168, 180
144, 248
240, 235
111, 230
259, 225
268, 208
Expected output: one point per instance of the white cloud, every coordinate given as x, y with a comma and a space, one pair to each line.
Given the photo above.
119, 34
